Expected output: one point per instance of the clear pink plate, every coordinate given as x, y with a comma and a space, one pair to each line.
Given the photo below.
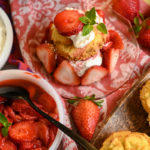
31, 18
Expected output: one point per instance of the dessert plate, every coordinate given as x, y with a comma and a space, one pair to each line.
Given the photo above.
31, 19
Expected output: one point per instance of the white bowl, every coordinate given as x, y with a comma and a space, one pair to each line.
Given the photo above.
31, 77
9, 38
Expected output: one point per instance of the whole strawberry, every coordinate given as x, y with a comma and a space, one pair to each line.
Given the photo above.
144, 34
127, 8
86, 115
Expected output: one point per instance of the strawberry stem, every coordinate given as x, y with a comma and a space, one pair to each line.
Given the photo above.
90, 98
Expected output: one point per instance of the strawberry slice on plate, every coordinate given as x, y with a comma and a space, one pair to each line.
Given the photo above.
67, 22
116, 40
110, 58
45, 53
65, 74
93, 74
23, 131
85, 116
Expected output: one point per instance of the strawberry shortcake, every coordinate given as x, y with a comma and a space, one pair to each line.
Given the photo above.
80, 50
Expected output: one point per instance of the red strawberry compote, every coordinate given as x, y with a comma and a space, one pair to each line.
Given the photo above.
29, 130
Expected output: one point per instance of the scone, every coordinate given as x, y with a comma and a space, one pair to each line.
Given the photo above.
126, 140
145, 98
80, 49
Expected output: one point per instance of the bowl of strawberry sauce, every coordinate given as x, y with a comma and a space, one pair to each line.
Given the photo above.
22, 128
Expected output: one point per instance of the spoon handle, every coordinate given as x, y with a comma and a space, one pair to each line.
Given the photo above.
77, 138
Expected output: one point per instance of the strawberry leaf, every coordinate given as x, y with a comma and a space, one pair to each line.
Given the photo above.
70, 101
137, 29
141, 15
136, 21
87, 29
101, 27
85, 20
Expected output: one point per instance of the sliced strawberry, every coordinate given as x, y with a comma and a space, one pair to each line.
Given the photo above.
25, 110
23, 131
29, 145
60, 59
116, 39
40, 148
85, 116
1, 107
52, 135
43, 132
101, 14
110, 58
8, 145
45, 53
107, 46
93, 74
2, 99
65, 74
47, 102
127, 8
67, 22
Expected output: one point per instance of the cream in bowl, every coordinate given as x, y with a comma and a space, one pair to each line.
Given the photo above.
6, 37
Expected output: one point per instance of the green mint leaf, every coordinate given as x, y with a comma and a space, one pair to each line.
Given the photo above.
4, 131
141, 15
92, 22
84, 20
70, 101
3, 120
136, 21
137, 29
101, 27
87, 29
91, 14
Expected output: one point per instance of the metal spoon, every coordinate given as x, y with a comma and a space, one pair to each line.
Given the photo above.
18, 92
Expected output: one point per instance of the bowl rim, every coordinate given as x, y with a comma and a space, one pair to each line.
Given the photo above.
9, 38
36, 79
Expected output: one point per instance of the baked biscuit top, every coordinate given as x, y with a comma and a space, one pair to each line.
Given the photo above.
126, 140
65, 48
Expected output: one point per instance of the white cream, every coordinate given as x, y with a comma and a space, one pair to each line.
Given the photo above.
2, 35
80, 41
98, 19
81, 66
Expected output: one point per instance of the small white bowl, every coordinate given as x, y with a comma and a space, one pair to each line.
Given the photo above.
34, 78
9, 38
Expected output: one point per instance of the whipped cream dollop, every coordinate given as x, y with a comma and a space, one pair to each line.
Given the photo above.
2, 35
80, 41
81, 66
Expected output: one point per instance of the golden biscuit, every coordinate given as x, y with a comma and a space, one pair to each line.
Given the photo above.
115, 141
137, 141
126, 140
65, 48
145, 98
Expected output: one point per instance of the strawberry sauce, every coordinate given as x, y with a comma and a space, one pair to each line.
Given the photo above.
29, 130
